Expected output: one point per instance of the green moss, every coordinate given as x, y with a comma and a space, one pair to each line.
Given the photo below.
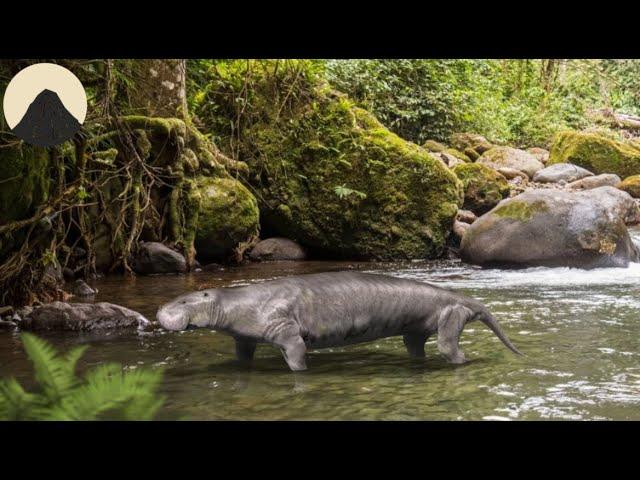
458, 154
596, 153
24, 180
631, 185
471, 153
228, 215
434, 146
483, 186
519, 210
301, 146
156, 125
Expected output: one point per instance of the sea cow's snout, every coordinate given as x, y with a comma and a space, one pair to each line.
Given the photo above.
173, 317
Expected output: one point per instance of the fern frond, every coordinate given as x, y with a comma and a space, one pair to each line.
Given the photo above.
51, 372
15, 402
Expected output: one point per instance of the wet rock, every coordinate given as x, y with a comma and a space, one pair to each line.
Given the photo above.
82, 317
555, 228
212, 267
81, 289
277, 249
466, 216
561, 172
588, 183
499, 157
6, 311
155, 257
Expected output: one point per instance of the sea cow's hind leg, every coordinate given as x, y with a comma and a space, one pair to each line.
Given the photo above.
245, 349
415, 344
450, 325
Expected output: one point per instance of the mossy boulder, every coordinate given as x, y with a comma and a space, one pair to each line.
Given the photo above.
555, 228
327, 173
457, 153
596, 153
483, 186
472, 141
434, 146
499, 157
631, 185
228, 215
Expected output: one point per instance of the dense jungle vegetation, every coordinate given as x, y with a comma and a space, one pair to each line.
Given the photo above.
207, 156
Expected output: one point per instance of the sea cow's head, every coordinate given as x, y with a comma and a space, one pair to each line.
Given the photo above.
192, 309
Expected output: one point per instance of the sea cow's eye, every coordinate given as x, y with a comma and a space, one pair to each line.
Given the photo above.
206, 294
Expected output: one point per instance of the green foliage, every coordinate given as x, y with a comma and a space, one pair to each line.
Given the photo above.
521, 102
342, 191
105, 392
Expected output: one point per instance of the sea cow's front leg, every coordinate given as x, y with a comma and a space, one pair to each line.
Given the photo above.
450, 325
285, 334
245, 349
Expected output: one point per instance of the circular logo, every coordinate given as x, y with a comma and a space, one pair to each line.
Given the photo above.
45, 104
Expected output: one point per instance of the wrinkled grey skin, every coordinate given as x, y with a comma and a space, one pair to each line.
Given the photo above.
329, 310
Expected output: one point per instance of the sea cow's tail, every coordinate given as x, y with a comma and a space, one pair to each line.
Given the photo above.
493, 324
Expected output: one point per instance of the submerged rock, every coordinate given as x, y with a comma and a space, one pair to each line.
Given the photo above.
555, 228
499, 157
277, 249
588, 183
82, 317
483, 186
155, 257
596, 153
561, 172
81, 289
631, 185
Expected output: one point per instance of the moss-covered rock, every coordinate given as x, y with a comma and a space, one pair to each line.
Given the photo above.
472, 141
24, 180
555, 228
457, 153
596, 153
228, 215
631, 185
483, 186
329, 174
434, 146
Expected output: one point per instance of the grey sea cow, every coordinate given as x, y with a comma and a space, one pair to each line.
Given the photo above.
329, 310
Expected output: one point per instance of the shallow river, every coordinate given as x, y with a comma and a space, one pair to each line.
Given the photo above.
580, 331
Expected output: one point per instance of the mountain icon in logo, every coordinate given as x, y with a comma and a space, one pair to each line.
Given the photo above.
46, 122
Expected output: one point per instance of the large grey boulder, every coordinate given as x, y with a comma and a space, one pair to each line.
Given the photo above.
155, 257
555, 228
82, 317
500, 157
561, 172
277, 249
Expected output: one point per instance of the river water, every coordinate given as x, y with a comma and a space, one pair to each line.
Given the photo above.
580, 331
